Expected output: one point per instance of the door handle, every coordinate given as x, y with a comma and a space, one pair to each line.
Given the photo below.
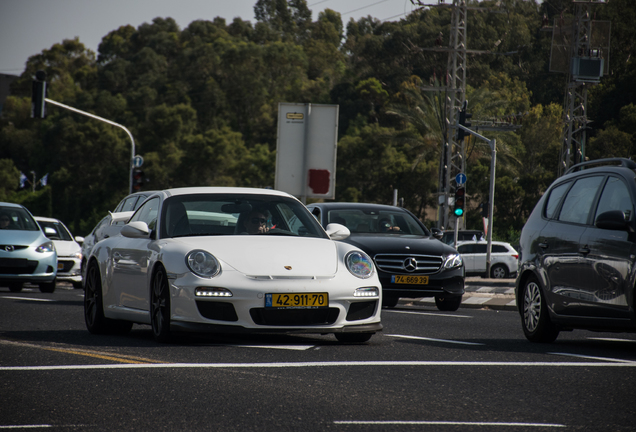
584, 250
543, 245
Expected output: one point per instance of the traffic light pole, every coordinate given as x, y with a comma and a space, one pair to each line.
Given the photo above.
132, 140
491, 202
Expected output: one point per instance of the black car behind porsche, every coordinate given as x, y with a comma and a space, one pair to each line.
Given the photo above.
411, 261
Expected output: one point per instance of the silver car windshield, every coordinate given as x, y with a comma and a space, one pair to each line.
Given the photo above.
16, 218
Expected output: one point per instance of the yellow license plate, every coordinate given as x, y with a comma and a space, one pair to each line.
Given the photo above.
409, 280
297, 300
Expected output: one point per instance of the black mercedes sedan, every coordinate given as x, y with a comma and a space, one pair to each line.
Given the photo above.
411, 261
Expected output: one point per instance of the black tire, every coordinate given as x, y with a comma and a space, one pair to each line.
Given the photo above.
448, 304
160, 306
47, 287
390, 301
353, 337
15, 287
499, 271
96, 322
535, 318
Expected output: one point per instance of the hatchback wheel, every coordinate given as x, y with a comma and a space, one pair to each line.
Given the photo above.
47, 287
448, 304
535, 318
499, 271
160, 306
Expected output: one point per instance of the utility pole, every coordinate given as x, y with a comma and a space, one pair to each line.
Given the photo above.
584, 44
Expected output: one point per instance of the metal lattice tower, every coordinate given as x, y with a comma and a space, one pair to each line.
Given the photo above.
575, 108
454, 153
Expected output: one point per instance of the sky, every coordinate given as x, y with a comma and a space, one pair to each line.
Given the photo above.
27, 27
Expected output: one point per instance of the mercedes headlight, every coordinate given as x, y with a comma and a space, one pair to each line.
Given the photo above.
453, 260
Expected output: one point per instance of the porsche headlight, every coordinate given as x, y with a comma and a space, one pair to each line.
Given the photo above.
359, 264
453, 260
45, 247
203, 263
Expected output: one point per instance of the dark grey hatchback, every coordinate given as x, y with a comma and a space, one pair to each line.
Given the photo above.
577, 253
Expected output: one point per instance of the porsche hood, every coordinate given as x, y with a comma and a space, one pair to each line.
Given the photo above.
276, 256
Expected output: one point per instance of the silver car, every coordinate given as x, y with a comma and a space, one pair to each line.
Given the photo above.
26, 254
69, 251
503, 258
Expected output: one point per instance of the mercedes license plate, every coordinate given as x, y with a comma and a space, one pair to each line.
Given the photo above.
409, 280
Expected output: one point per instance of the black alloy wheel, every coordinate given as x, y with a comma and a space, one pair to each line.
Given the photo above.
535, 318
448, 304
160, 306
96, 322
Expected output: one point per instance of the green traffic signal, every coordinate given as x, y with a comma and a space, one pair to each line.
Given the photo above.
459, 212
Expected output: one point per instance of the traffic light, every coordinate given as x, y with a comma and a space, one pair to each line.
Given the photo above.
485, 208
463, 120
38, 95
460, 198
138, 179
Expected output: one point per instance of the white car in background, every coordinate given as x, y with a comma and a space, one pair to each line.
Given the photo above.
69, 251
503, 259
214, 259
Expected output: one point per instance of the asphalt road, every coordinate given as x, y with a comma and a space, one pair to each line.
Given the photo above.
470, 370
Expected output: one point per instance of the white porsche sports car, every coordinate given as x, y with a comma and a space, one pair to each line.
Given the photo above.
230, 259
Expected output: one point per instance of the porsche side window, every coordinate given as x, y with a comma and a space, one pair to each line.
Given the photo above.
616, 196
554, 199
578, 202
147, 213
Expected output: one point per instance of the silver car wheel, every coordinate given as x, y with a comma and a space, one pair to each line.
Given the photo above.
531, 306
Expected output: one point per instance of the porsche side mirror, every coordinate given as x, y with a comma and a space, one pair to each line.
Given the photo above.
136, 229
337, 232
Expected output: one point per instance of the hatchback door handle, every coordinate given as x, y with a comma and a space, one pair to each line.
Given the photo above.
584, 250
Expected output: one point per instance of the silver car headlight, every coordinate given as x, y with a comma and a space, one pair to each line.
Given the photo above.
359, 264
203, 264
45, 247
453, 260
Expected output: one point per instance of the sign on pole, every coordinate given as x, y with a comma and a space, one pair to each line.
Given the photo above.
306, 150
138, 161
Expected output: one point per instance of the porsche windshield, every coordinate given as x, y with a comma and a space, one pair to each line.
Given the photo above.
222, 214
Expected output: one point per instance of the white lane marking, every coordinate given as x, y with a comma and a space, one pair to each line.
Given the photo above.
433, 339
26, 298
612, 339
311, 364
427, 313
283, 347
592, 358
452, 423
